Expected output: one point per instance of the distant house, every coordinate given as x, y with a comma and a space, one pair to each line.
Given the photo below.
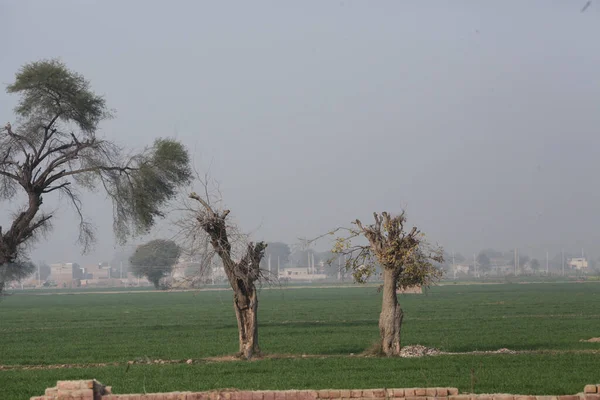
66, 274
461, 269
300, 274
96, 271
578, 263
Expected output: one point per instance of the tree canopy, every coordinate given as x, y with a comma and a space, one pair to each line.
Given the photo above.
54, 148
155, 259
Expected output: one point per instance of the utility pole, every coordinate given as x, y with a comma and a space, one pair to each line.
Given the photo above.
475, 264
269, 263
453, 265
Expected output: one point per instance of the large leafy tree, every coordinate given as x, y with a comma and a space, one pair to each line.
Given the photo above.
155, 259
405, 258
53, 148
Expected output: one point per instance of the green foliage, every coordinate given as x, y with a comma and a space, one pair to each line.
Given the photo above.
527, 374
407, 253
49, 89
278, 249
15, 271
37, 329
321, 321
484, 261
139, 196
155, 260
54, 147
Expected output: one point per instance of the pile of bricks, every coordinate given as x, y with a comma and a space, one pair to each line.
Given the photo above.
94, 390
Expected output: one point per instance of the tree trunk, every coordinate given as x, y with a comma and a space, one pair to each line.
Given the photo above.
3, 261
245, 303
390, 319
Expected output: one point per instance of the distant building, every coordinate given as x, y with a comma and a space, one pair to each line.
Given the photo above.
578, 263
97, 271
461, 269
300, 274
66, 274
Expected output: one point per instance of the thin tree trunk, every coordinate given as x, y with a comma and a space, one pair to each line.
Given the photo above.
390, 319
245, 303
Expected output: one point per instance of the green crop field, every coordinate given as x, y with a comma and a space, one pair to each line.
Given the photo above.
544, 321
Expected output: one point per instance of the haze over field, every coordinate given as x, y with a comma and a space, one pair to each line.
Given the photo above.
480, 119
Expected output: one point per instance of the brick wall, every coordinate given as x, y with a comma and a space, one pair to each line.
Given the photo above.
94, 390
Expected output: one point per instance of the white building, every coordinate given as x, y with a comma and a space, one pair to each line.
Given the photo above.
578, 263
300, 274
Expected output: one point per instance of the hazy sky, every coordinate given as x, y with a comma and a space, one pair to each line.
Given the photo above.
481, 118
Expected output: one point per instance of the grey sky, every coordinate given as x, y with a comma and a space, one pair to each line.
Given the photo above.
479, 117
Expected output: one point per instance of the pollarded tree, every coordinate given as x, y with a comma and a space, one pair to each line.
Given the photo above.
54, 148
207, 231
155, 259
405, 258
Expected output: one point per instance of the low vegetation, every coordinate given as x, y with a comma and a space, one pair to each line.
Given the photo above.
544, 322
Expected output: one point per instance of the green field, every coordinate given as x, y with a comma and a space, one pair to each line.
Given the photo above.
548, 318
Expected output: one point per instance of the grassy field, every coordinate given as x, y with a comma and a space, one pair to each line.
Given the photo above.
550, 318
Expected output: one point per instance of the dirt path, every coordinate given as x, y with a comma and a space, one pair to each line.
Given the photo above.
417, 351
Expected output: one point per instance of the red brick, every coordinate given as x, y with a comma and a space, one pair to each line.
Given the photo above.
486, 398
355, 394
461, 397
345, 394
452, 391
441, 392
279, 395
323, 394
592, 397
590, 389
67, 385
291, 395
257, 395
397, 393
430, 392
414, 398
335, 394
245, 395
268, 395
368, 394
503, 397
568, 397
234, 396
409, 392
420, 392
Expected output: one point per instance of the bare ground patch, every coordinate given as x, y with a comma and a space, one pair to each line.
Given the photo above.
591, 340
406, 352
